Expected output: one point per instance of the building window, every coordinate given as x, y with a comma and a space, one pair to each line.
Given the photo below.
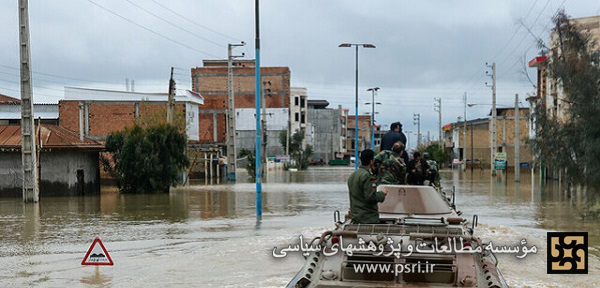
296, 102
303, 120
302, 100
297, 116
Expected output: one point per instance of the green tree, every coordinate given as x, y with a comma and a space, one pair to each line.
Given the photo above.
572, 145
437, 153
146, 159
299, 154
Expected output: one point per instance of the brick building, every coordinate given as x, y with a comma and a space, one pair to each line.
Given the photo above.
478, 137
98, 113
211, 81
364, 135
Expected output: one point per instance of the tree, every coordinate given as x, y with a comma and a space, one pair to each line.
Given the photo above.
437, 153
146, 159
299, 154
572, 145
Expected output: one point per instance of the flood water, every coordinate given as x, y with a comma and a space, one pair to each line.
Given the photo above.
208, 236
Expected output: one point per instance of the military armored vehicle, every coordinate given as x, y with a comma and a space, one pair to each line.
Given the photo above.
419, 226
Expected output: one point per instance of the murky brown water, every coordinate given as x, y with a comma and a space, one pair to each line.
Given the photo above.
207, 236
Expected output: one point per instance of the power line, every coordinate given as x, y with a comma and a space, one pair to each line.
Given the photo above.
195, 23
152, 31
173, 24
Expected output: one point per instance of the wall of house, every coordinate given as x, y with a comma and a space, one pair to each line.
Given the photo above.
211, 82
327, 133
59, 170
105, 117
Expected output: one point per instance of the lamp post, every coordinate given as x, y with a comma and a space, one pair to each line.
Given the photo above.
356, 45
373, 103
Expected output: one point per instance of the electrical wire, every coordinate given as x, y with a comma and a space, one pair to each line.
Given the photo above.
152, 31
175, 25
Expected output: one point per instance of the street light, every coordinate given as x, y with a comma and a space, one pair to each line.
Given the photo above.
373, 103
356, 45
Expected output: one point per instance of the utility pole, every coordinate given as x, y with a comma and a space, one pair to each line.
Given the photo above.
265, 92
517, 141
231, 156
417, 121
258, 124
171, 101
28, 149
493, 143
373, 103
465, 133
437, 106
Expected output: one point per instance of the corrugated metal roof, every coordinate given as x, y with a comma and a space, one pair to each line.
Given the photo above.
52, 136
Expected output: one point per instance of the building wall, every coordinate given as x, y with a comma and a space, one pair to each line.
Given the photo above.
364, 135
105, 117
557, 103
211, 82
58, 173
247, 140
480, 135
327, 135
298, 109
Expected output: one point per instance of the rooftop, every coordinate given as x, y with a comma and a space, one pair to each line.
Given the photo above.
89, 94
52, 136
8, 100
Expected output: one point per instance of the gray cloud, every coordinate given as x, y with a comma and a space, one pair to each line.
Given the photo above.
425, 49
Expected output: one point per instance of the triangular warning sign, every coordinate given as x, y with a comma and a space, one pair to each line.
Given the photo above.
97, 255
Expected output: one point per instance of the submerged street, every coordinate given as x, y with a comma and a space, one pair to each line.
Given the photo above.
210, 232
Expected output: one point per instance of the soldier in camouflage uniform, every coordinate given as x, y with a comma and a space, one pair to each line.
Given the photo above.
363, 192
388, 167
433, 174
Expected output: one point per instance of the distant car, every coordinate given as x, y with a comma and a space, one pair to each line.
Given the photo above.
352, 159
456, 162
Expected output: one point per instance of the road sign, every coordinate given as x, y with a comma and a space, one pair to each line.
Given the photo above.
500, 161
97, 255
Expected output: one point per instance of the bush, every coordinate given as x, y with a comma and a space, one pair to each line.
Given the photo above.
146, 159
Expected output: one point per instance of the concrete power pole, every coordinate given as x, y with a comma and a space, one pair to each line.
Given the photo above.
417, 121
231, 156
28, 149
517, 141
493, 143
437, 106
171, 100
465, 133
265, 92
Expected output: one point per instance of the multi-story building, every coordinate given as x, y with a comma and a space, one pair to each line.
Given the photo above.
477, 142
329, 130
298, 109
551, 94
211, 81
364, 133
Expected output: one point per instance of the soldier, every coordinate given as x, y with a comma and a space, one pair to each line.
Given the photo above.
363, 192
433, 174
389, 167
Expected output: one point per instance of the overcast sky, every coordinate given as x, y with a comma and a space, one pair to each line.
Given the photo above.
425, 49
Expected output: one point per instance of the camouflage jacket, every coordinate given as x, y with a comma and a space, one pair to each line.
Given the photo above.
389, 168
